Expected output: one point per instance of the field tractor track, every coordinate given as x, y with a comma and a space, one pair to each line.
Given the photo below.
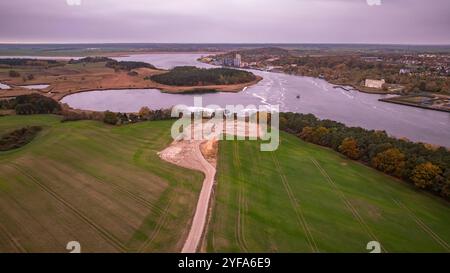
222, 171
347, 203
18, 247
423, 225
105, 234
131, 195
241, 206
295, 205
161, 221
240, 236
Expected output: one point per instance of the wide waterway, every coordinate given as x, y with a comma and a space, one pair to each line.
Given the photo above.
291, 93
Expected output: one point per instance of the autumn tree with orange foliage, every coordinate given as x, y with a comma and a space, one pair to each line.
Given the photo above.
391, 161
425, 174
349, 147
314, 135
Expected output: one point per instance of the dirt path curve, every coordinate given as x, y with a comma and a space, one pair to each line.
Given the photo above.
201, 212
188, 154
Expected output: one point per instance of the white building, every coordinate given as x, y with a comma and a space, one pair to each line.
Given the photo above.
378, 84
237, 60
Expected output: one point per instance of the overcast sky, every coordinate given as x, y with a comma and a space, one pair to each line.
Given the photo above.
229, 21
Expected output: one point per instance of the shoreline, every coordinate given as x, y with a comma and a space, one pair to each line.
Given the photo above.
117, 54
168, 89
393, 100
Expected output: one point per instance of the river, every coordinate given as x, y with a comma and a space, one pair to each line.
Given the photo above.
291, 93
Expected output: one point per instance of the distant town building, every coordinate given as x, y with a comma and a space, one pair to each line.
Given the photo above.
405, 71
237, 60
372, 59
228, 62
378, 84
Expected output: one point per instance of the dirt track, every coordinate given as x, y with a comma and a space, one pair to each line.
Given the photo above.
188, 154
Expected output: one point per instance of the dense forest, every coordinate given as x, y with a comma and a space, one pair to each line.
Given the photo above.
90, 59
425, 166
193, 76
11, 62
111, 63
128, 65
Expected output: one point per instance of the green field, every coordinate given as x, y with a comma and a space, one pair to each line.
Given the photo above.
101, 185
105, 187
304, 198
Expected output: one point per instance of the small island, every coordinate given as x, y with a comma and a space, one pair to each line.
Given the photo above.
194, 76
190, 79
59, 78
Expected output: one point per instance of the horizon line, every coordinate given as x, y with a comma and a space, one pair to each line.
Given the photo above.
229, 43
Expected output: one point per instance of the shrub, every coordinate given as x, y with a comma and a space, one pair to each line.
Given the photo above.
25, 109
110, 118
14, 74
35, 104
18, 138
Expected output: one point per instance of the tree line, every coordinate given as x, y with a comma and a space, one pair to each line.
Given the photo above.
128, 65
111, 63
28, 62
31, 104
424, 165
117, 118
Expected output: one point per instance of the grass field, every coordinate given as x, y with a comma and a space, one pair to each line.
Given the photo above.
100, 185
106, 187
304, 198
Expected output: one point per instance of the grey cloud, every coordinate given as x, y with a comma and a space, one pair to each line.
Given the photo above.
395, 21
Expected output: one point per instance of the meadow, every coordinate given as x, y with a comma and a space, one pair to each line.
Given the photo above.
100, 185
106, 187
306, 198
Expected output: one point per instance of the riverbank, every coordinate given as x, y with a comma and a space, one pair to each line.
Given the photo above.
429, 102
